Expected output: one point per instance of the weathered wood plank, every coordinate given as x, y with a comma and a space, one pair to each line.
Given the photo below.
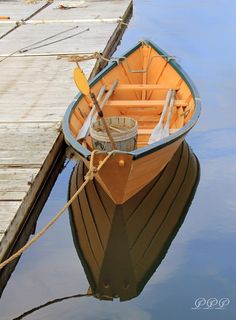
20, 12
16, 174
10, 195
8, 209
16, 185
35, 92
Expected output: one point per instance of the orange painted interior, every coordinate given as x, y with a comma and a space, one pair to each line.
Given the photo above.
144, 79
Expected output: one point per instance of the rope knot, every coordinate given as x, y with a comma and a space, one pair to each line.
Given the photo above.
91, 173
20, 22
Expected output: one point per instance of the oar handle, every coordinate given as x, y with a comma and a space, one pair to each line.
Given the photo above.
100, 113
85, 128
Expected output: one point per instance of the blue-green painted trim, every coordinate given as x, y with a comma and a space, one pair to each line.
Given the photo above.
139, 153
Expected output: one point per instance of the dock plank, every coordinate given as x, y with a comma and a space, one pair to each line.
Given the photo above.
35, 92
14, 11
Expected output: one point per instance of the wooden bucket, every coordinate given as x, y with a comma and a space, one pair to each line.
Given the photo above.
124, 131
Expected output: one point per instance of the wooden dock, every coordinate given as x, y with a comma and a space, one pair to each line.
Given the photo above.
36, 87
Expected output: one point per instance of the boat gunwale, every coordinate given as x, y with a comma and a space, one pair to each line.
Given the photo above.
148, 149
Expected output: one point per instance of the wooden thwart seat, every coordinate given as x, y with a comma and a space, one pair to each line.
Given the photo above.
149, 131
143, 103
136, 87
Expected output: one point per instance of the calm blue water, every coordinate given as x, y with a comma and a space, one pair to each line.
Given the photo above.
201, 260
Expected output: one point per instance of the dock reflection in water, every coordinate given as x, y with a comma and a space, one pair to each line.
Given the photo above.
121, 246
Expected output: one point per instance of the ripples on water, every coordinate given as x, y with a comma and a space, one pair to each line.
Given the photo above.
200, 261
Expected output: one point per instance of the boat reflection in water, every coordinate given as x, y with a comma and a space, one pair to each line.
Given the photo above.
121, 246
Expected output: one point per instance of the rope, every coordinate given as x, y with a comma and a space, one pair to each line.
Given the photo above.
25, 314
56, 41
88, 177
84, 57
48, 3
80, 57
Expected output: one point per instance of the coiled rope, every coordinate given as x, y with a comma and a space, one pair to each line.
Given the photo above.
88, 177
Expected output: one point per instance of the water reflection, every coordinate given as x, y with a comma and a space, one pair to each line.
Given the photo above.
121, 246
200, 260
48, 303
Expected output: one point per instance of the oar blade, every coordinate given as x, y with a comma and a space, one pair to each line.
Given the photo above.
81, 81
158, 132
166, 130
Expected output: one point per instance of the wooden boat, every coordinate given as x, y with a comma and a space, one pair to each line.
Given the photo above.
120, 246
145, 75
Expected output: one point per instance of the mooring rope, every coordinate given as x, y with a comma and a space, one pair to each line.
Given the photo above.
83, 57
88, 177
26, 313
48, 3
77, 57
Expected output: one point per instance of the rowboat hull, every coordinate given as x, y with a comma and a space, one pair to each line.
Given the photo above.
121, 246
122, 177
145, 74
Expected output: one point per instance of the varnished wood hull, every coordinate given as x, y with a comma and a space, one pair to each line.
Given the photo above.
123, 182
144, 77
120, 246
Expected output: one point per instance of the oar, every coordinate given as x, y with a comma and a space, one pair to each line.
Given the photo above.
82, 84
92, 117
107, 96
166, 130
158, 130
85, 128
